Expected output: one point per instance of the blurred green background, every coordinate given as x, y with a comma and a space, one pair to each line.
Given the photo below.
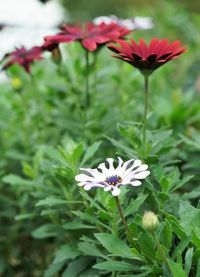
87, 9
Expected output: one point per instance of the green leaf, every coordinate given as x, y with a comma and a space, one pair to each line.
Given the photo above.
178, 230
114, 266
45, 231
91, 151
196, 236
25, 216
116, 246
90, 218
144, 274
146, 245
76, 154
90, 273
166, 235
66, 252
53, 269
90, 249
134, 206
15, 180
190, 142
181, 247
50, 201
181, 183
28, 170
76, 267
165, 184
176, 269
198, 268
189, 216
188, 260
75, 225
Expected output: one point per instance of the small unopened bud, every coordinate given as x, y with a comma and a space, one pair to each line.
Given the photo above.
150, 221
56, 54
16, 83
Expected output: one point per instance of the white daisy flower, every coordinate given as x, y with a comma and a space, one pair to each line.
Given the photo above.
110, 178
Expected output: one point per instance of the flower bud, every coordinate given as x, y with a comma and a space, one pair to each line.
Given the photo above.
16, 83
150, 221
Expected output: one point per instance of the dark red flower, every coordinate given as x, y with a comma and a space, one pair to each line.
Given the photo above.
23, 57
147, 58
91, 36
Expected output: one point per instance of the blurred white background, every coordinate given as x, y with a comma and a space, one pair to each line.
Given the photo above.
26, 22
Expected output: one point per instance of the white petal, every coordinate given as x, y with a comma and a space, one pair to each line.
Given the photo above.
135, 183
94, 172
110, 162
90, 185
107, 171
126, 164
83, 178
81, 184
143, 167
131, 174
104, 169
137, 163
116, 191
87, 187
122, 167
141, 175
120, 162
107, 188
126, 170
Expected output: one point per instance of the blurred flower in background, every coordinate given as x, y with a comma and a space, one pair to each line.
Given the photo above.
90, 36
137, 22
23, 57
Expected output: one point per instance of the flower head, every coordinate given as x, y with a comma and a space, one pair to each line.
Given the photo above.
138, 22
23, 57
147, 58
90, 36
111, 178
150, 221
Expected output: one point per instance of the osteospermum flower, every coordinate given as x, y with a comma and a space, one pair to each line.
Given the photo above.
90, 36
23, 57
111, 178
147, 58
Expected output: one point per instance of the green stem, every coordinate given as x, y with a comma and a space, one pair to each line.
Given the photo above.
87, 94
146, 90
87, 84
128, 231
95, 71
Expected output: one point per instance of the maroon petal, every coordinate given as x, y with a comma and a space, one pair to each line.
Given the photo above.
89, 44
60, 38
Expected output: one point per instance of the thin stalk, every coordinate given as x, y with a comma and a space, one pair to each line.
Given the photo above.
87, 84
146, 92
128, 231
95, 71
87, 94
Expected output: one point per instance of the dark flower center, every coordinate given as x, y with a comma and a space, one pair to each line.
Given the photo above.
113, 180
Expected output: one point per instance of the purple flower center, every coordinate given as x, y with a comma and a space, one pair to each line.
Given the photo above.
113, 180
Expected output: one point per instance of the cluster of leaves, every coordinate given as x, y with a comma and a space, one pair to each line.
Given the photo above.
51, 227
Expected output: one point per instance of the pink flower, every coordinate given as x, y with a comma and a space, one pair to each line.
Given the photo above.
23, 57
90, 36
147, 58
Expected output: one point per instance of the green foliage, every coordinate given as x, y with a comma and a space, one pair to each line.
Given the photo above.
50, 226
